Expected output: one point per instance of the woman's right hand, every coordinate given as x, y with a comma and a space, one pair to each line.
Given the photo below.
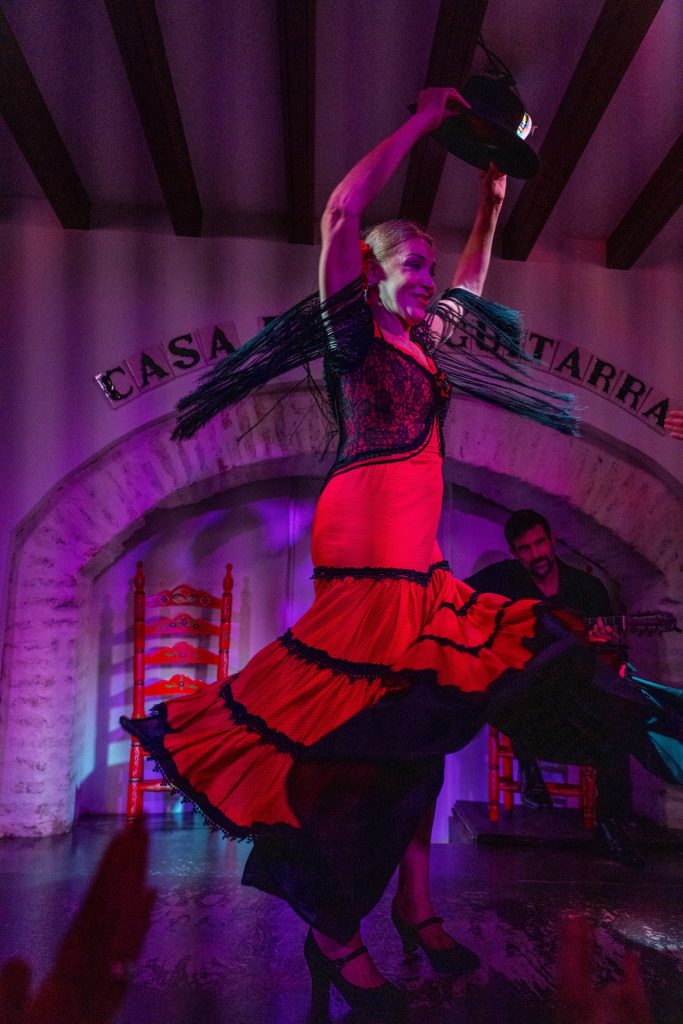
436, 104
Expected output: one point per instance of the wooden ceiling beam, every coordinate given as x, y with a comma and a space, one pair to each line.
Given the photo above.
141, 45
30, 122
649, 212
457, 30
296, 36
618, 32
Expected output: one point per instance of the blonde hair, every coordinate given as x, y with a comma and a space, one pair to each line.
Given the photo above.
385, 237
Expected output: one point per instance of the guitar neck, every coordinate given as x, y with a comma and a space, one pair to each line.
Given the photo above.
620, 622
652, 623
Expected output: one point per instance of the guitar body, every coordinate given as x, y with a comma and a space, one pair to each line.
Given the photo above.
573, 621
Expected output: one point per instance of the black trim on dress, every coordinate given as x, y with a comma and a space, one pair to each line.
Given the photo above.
443, 641
464, 608
356, 670
423, 579
254, 723
153, 744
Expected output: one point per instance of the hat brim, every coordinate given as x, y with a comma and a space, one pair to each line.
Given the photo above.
478, 141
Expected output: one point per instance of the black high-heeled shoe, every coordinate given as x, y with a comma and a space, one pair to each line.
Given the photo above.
454, 959
384, 1000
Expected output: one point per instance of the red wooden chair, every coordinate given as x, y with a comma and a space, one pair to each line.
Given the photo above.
503, 782
149, 652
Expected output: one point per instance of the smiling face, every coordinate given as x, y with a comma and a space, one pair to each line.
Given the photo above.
405, 280
535, 549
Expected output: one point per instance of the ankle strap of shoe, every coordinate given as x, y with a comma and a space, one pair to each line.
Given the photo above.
344, 960
427, 922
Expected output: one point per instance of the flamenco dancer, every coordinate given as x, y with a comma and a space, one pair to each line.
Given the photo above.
327, 748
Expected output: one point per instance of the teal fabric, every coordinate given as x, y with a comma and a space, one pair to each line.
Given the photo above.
666, 742
670, 752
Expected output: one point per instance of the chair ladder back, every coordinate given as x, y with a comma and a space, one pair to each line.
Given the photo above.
171, 656
501, 782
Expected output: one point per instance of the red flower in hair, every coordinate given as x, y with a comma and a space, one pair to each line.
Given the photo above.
443, 385
364, 250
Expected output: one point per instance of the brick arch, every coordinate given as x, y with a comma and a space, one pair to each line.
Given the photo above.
78, 530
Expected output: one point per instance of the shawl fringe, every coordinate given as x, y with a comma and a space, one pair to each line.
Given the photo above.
493, 366
481, 353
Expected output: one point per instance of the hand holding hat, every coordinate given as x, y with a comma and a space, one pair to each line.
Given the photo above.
438, 104
491, 126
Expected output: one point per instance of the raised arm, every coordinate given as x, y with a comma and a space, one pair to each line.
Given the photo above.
340, 259
473, 264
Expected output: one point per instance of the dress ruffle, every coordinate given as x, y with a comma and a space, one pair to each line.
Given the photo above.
327, 748
367, 635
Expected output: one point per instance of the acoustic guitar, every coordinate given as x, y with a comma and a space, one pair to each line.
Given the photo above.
639, 623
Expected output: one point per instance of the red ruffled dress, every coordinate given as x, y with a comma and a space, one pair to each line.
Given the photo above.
327, 748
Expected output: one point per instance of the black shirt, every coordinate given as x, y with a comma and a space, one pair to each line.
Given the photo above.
578, 591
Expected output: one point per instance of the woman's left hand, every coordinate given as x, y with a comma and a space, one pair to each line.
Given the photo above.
493, 184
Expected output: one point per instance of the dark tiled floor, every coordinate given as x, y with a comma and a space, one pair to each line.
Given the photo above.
218, 952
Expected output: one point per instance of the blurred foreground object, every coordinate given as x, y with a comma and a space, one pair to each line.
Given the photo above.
92, 968
578, 1001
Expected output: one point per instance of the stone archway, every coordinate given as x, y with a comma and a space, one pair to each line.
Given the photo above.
78, 529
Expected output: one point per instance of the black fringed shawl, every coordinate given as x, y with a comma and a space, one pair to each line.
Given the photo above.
479, 349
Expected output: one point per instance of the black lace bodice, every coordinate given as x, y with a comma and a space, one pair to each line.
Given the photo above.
385, 402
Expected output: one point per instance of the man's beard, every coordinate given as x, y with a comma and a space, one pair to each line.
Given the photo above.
541, 567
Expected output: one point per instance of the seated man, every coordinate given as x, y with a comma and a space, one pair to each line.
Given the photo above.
535, 571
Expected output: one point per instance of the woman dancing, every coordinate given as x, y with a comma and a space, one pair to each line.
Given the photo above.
327, 748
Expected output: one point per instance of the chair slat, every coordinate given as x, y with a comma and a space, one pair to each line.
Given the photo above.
182, 653
183, 594
176, 686
184, 625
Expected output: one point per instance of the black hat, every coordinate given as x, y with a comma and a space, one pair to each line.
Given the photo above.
493, 131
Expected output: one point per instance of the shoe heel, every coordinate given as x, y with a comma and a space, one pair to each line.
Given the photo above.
320, 980
410, 944
455, 959
320, 996
384, 1000
405, 933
